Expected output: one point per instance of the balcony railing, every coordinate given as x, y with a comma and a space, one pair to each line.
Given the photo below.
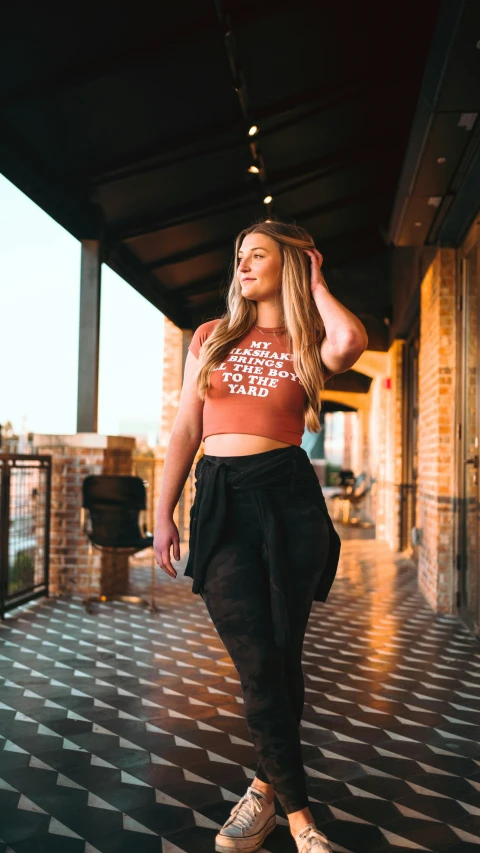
25, 484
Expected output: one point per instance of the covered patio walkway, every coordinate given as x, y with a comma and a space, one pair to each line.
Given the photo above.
123, 730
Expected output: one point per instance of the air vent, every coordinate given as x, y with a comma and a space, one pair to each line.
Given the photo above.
467, 120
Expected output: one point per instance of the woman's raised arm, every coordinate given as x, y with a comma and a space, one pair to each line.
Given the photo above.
345, 335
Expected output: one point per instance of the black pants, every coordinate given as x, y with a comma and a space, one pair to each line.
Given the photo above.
237, 595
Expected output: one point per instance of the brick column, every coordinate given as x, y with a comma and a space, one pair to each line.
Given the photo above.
385, 453
117, 459
74, 457
348, 440
436, 437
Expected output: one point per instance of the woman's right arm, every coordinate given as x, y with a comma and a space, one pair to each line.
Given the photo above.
182, 446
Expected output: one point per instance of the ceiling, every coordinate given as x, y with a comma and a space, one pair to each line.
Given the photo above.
132, 122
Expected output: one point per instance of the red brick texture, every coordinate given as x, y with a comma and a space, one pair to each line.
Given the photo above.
385, 446
73, 459
436, 439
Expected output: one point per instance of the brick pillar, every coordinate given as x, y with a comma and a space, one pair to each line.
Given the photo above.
74, 457
386, 445
117, 459
348, 440
436, 435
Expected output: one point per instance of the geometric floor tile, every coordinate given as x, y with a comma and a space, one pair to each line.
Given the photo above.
124, 730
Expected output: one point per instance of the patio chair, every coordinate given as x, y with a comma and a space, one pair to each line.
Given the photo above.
113, 519
345, 478
348, 483
354, 496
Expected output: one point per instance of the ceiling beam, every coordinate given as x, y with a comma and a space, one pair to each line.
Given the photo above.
215, 203
350, 380
175, 150
86, 72
217, 139
336, 161
303, 106
202, 285
121, 260
342, 242
192, 252
22, 166
337, 204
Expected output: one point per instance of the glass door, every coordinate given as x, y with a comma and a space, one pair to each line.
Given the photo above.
468, 434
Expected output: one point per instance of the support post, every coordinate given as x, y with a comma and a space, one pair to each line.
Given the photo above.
89, 338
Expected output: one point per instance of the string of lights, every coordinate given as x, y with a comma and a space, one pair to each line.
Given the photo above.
252, 130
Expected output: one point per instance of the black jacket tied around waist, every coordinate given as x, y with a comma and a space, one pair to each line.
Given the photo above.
290, 469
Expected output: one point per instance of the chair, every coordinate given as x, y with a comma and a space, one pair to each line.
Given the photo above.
113, 519
353, 496
345, 478
348, 483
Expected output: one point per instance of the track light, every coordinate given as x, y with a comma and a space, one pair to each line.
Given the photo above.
267, 199
254, 170
253, 130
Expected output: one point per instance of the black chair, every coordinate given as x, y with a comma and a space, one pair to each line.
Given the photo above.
349, 485
353, 496
357, 498
345, 478
113, 519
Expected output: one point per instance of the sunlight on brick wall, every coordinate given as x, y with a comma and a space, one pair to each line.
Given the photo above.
437, 432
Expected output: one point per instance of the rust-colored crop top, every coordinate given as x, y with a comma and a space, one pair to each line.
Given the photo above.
255, 389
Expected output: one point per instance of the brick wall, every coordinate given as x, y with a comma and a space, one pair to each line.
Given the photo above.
436, 439
381, 435
385, 446
74, 457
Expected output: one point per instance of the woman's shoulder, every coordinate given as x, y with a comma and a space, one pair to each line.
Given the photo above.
201, 334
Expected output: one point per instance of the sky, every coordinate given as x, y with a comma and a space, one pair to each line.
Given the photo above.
39, 312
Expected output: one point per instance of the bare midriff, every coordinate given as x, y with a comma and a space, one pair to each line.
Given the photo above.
239, 444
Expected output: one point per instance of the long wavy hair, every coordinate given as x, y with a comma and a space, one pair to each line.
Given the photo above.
299, 314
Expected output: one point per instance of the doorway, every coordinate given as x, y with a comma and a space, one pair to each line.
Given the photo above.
468, 559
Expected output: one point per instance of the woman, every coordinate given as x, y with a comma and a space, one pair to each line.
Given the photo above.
262, 545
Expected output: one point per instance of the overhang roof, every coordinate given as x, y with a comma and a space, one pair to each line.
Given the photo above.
133, 120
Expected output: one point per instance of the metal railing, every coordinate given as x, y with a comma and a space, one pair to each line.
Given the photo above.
146, 467
150, 469
25, 485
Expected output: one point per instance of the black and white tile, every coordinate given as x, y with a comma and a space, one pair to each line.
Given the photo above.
122, 730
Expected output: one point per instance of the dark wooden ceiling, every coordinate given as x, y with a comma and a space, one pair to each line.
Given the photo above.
132, 120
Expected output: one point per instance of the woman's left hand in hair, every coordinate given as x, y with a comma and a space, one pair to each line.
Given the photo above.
316, 277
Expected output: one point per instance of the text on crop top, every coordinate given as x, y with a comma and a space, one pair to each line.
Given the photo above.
255, 389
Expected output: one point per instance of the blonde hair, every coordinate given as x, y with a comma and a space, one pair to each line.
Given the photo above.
303, 325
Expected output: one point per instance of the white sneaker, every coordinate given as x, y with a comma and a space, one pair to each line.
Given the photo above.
311, 840
250, 821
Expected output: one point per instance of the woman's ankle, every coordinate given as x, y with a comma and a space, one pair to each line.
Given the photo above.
265, 788
299, 820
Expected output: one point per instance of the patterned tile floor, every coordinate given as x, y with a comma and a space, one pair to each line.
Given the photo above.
123, 731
